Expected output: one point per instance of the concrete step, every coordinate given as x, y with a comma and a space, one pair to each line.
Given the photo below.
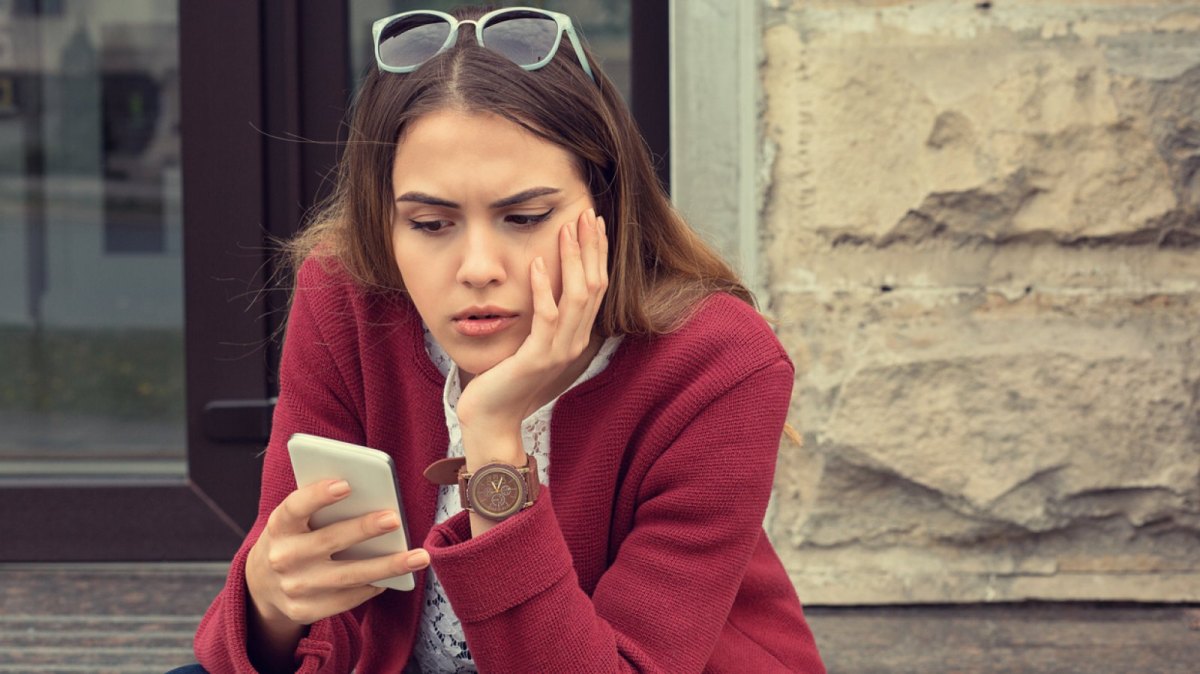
131, 618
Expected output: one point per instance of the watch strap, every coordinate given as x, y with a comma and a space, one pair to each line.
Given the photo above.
445, 471
453, 470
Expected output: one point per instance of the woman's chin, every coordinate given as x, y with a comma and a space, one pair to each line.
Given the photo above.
476, 356
469, 366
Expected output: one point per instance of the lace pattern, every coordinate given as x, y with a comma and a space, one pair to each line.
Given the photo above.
441, 646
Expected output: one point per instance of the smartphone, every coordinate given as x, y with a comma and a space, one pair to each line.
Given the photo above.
373, 487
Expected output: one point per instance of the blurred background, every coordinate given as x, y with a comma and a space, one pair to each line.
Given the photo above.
976, 224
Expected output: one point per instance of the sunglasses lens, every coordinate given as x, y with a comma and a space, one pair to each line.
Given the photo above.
524, 37
412, 40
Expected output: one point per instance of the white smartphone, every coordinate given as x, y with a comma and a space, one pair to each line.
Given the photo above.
373, 487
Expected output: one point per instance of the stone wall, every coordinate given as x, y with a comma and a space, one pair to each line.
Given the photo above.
982, 239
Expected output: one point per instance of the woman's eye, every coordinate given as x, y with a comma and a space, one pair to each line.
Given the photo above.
431, 226
528, 220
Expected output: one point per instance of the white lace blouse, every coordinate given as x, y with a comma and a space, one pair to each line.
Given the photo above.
441, 645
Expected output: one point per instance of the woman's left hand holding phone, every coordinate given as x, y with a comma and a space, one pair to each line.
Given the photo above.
293, 581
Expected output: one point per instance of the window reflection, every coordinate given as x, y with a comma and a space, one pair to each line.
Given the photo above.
91, 304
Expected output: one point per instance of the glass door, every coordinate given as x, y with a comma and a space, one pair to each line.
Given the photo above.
94, 417
151, 153
91, 271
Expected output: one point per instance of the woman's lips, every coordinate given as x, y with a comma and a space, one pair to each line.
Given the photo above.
482, 326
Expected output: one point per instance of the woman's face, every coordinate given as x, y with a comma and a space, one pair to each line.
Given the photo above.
477, 199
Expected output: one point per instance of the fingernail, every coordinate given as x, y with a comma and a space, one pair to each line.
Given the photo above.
592, 213
572, 233
600, 226
388, 521
418, 560
339, 488
540, 265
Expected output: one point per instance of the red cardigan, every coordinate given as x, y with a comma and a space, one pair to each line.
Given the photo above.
649, 555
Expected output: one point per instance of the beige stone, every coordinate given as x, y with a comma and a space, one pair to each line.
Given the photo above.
982, 231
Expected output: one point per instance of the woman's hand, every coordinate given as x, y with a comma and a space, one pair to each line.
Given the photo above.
292, 580
496, 401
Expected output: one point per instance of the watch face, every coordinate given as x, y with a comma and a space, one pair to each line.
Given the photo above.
496, 491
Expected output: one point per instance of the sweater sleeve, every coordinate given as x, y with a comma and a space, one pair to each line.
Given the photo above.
663, 601
313, 399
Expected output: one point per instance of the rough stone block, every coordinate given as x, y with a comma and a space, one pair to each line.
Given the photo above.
983, 236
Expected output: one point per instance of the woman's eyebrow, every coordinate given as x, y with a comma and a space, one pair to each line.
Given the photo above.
422, 198
524, 195
519, 197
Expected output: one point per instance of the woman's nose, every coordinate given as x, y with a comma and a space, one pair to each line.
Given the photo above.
482, 258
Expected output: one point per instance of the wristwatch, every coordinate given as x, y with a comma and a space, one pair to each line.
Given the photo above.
496, 491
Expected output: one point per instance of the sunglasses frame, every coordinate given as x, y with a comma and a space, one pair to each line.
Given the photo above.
562, 20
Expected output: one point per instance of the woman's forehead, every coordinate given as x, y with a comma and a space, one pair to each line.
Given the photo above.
459, 130
451, 149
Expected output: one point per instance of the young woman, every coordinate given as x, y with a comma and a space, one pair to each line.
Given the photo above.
501, 288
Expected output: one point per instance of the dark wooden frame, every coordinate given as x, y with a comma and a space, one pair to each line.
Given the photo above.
282, 129
259, 80
650, 59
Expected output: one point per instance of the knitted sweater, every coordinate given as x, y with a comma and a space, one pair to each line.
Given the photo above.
647, 554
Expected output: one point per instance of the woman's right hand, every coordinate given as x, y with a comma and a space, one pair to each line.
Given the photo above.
293, 580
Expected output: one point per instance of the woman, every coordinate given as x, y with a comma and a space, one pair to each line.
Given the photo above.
499, 286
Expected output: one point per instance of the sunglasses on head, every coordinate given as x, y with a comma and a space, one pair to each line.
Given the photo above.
526, 36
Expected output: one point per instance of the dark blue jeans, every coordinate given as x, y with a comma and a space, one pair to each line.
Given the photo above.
190, 669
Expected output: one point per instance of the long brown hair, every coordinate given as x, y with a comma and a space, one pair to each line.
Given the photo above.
659, 268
